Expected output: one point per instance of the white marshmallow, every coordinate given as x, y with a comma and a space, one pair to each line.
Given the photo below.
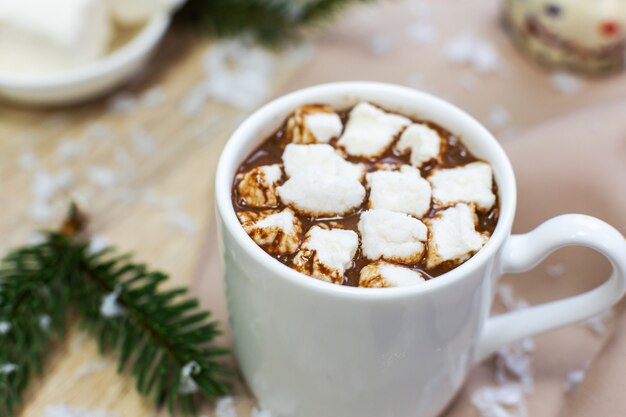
319, 194
276, 232
273, 173
326, 254
382, 274
319, 159
257, 187
324, 126
370, 131
472, 183
392, 236
453, 236
404, 191
43, 36
313, 124
421, 141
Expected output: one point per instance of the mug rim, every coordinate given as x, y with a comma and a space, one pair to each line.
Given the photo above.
245, 132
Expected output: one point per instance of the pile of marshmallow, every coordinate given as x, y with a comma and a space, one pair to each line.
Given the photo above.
394, 229
43, 36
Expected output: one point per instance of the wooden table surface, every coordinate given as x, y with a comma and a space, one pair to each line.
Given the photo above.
158, 205
154, 197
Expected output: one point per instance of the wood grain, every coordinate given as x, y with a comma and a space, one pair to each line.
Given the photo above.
160, 207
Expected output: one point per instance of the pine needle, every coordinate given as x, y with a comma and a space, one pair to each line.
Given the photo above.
33, 300
271, 22
156, 333
161, 336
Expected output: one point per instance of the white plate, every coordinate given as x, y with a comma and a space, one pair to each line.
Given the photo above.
89, 80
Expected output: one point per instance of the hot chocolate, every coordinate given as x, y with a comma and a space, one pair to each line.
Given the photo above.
365, 197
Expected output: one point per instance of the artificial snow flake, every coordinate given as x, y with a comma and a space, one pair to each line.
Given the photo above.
41, 211
7, 368
123, 158
259, 412
459, 50
381, 44
574, 378
101, 176
151, 199
566, 83
598, 323
63, 410
238, 74
181, 221
467, 49
556, 270
44, 322
507, 298
37, 238
503, 401
92, 367
421, 33
514, 362
5, 327
195, 100
469, 81
97, 244
486, 57
125, 195
420, 8
27, 161
46, 184
110, 307
123, 103
499, 118
154, 97
187, 383
69, 149
225, 407
99, 131
143, 142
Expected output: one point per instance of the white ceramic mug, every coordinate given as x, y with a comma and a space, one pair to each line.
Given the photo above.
308, 348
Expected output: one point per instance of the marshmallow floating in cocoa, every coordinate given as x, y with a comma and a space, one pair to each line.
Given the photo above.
382, 274
257, 187
313, 123
319, 159
404, 191
422, 142
392, 236
370, 131
276, 232
471, 183
318, 195
453, 236
327, 253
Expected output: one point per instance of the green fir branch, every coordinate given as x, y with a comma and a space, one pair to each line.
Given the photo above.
271, 22
33, 300
160, 336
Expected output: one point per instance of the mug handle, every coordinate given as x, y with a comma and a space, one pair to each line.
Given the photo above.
523, 252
